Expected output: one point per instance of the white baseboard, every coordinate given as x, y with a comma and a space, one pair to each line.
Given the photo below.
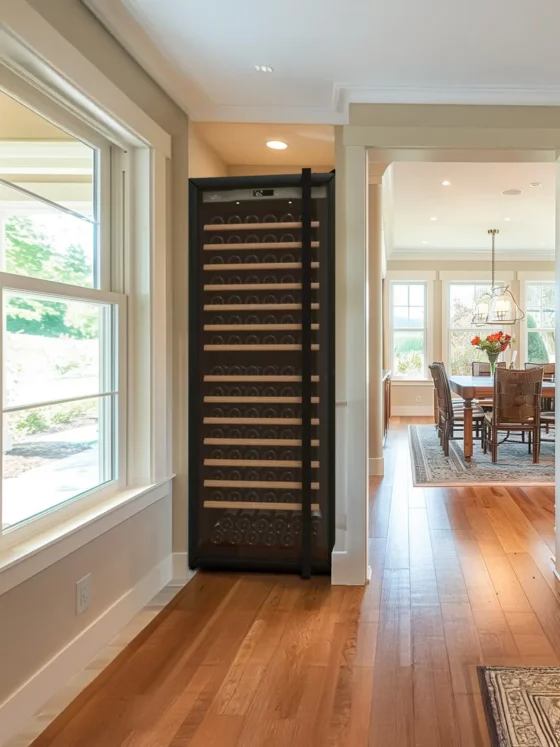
344, 571
412, 410
377, 466
182, 574
22, 704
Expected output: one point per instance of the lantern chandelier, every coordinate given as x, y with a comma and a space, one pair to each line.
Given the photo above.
497, 306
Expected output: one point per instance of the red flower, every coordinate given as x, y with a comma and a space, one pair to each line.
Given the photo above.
495, 337
475, 340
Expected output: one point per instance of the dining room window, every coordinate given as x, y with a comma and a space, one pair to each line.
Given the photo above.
462, 300
62, 318
540, 320
408, 330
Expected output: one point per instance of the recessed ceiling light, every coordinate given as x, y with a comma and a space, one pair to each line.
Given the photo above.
511, 192
434, 217
535, 184
264, 69
277, 144
424, 242
541, 243
446, 183
507, 218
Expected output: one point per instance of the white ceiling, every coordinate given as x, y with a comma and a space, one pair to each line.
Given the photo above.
327, 53
465, 210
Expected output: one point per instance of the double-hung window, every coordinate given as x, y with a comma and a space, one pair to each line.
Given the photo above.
408, 330
540, 320
462, 301
62, 321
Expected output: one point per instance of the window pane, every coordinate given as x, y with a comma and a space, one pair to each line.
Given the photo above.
44, 242
533, 295
400, 317
55, 348
463, 299
416, 316
462, 353
548, 317
549, 295
534, 318
55, 453
416, 294
540, 347
408, 354
400, 295
41, 158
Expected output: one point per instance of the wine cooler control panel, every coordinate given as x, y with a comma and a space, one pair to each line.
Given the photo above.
261, 430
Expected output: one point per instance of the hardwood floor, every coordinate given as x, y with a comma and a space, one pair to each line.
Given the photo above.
461, 577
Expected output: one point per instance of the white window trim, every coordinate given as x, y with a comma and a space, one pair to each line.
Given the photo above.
59, 74
413, 276
539, 277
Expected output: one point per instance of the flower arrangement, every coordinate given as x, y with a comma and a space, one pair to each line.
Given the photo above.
492, 345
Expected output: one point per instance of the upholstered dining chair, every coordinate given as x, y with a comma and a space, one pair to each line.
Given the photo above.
450, 412
517, 408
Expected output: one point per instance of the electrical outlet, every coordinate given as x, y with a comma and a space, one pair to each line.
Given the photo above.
83, 594
418, 400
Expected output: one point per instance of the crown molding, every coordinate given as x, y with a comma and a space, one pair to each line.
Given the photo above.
477, 95
461, 255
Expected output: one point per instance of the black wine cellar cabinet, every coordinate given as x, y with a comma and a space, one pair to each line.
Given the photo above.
261, 373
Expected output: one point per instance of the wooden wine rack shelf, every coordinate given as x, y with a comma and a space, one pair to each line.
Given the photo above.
261, 400
256, 226
258, 484
258, 379
257, 421
256, 506
262, 266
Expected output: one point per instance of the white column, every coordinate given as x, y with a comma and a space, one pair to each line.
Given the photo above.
375, 293
350, 561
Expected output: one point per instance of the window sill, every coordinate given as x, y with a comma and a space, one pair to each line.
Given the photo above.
412, 382
21, 561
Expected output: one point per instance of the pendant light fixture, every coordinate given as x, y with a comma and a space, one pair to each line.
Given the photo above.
498, 306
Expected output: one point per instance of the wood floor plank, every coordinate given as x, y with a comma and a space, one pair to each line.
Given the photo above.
460, 577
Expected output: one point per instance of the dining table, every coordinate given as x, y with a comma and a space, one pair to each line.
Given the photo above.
481, 387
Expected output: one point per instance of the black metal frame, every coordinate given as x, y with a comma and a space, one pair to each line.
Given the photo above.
306, 181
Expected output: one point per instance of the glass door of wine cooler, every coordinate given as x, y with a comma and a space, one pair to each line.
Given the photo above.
261, 373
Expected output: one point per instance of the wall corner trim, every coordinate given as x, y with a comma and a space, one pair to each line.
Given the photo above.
377, 466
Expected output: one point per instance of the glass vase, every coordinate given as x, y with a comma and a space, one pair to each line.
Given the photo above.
493, 358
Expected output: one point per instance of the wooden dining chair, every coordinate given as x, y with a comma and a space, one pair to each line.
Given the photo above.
517, 407
450, 412
549, 369
482, 368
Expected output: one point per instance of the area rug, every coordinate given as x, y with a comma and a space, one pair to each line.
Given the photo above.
522, 705
514, 466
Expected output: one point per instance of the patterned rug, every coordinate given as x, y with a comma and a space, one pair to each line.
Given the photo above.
522, 705
431, 467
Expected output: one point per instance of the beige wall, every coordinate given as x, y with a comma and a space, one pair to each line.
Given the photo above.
39, 616
414, 396
203, 161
